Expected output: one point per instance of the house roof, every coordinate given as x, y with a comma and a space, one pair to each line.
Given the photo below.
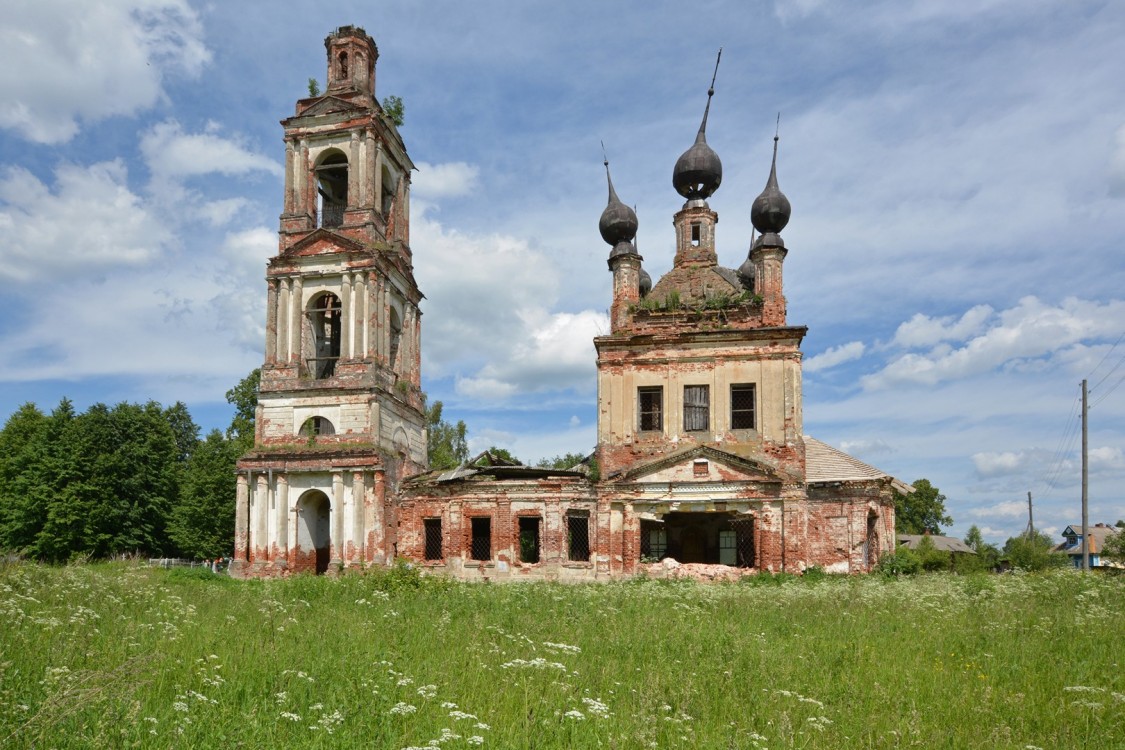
823, 463
1098, 534
941, 543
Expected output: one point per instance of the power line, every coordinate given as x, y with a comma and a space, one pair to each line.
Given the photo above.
1112, 388
1065, 446
1105, 357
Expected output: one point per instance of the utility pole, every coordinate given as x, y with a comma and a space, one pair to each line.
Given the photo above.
1085, 485
1030, 518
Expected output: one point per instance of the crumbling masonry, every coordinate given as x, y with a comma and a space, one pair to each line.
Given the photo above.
701, 463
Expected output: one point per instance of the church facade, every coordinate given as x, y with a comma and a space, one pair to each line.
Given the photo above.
701, 464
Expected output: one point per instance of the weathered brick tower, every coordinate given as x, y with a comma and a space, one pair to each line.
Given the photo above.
340, 416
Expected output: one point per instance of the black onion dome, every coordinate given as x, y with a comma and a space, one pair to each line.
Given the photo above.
618, 223
699, 172
770, 212
746, 274
645, 283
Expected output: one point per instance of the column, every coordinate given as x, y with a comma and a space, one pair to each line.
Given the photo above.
345, 316
374, 292
359, 507
378, 197
301, 176
261, 516
241, 520
337, 516
296, 307
282, 345
369, 198
289, 172
283, 517
271, 321
359, 313
353, 170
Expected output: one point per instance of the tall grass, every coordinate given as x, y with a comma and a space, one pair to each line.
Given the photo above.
122, 656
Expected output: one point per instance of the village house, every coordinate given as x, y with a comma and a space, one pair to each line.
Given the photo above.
701, 461
1071, 545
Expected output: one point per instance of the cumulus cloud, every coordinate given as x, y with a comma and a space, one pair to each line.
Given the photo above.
90, 220
172, 153
863, 448
449, 180
1028, 331
922, 330
91, 61
835, 355
1107, 459
1005, 509
1008, 463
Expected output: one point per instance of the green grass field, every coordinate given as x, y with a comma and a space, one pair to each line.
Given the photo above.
116, 656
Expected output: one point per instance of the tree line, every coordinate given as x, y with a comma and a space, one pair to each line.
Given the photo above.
121, 480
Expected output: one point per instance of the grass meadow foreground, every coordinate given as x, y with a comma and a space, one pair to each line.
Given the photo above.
120, 656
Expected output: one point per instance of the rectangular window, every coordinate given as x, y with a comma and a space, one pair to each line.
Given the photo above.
529, 540
654, 541
742, 398
432, 528
481, 546
578, 538
650, 403
697, 407
696, 232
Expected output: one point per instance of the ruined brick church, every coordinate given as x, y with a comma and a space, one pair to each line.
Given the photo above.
700, 461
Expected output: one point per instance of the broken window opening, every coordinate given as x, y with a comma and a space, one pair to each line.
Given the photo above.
742, 410
578, 537
480, 548
529, 539
389, 186
654, 541
314, 426
324, 316
343, 65
332, 188
432, 528
650, 401
396, 338
722, 538
696, 234
870, 544
697, 407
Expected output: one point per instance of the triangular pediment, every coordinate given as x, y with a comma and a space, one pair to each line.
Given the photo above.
330, 105
322, 242
705, 464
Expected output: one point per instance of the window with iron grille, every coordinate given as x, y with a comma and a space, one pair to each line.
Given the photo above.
743, 541
529, 539
654, 541
433, 538
697, 407
481, 546
578, 537
650, 403
742, 398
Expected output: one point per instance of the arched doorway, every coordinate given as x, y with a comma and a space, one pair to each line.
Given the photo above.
314, 530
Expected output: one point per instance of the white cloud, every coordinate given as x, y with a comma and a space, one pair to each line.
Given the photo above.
69, 62
488, 390
452, 179
1005, 509
922, 330
835, 355
1029, 330
863, 448
90, 221
1107, 459
172, 153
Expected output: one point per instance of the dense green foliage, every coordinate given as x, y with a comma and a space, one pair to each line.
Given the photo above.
446, 443
121, 480
122, 656
564, 461
921, 510
394, 109
1032, 552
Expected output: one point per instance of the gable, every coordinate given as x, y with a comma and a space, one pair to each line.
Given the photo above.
323, 242
704, 464
329, 105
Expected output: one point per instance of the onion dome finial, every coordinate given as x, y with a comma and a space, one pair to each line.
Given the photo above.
699, 172
771, 209
618, 223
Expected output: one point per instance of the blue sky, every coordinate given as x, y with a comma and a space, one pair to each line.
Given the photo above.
956, 169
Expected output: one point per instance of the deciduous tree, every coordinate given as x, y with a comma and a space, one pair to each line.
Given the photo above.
446, 445
921, 510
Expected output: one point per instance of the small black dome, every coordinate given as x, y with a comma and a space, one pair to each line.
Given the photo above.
698, 172
645, 283
770, 212
618, 223
746, 274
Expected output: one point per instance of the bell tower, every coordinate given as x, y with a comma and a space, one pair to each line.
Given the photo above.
340, 415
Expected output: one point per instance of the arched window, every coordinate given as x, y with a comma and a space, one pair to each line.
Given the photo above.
324, 321
343, 65
332, 188
314, 426
396, 338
